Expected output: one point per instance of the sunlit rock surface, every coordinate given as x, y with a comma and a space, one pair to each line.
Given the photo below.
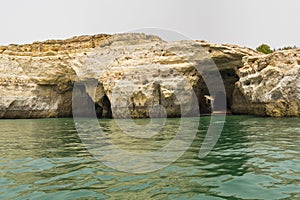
269, 85
138, 75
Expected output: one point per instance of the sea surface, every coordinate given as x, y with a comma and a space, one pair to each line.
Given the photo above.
254, 158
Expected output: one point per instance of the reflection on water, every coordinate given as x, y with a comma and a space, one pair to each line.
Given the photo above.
255, 158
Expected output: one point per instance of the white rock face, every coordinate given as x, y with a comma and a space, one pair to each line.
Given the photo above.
144, 76
124, 75
33, 87
269, 85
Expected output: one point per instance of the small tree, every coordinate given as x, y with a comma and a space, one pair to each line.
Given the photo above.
264, 48
288, 47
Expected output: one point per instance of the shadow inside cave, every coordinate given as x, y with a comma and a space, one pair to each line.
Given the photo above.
84, 106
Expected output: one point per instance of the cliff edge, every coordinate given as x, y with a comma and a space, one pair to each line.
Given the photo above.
133, 72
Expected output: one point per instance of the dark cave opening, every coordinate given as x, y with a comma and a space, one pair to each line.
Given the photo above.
84, 106
103, 108
220, 102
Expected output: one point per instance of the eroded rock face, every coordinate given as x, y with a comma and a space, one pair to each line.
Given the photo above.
124, 75
144, 76
228, 58
36, 80
269, 85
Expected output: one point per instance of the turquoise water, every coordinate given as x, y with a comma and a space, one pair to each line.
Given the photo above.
255, 158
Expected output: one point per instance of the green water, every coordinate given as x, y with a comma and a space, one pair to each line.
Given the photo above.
255, 158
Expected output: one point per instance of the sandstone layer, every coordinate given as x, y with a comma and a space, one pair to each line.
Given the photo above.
138, 75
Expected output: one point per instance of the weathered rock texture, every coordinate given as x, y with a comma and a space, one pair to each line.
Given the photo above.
138, 75
36, 80
141, 74
269, 85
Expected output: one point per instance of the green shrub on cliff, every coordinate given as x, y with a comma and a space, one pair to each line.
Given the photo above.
287, 48
264, 48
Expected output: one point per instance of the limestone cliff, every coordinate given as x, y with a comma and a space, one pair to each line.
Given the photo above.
269, 85
36, 80
125, 75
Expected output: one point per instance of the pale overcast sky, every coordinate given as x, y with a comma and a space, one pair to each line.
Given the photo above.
243, 22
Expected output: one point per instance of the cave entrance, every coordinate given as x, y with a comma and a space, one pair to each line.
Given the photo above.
219, 103
103, 108
84, 106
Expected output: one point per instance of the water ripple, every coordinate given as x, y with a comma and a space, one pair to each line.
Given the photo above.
255, 158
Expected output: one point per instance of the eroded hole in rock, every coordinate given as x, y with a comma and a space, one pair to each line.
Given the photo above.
83, 105
103, 108
203, 96
220, 102
247, 83
86, 107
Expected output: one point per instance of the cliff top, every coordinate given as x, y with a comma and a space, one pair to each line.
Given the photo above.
77, 42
